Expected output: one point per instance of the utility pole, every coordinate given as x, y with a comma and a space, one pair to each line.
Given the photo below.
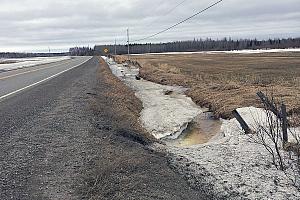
128, 48
115, 46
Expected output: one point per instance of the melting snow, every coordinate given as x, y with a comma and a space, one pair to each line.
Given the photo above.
233, 166
229, 165
163, 115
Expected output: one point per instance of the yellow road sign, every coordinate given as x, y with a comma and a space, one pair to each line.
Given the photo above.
106, 50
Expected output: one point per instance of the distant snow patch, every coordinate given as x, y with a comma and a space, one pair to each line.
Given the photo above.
246, 51
19, 63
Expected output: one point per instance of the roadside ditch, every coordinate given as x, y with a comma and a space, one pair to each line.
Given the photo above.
168, 114
212, 155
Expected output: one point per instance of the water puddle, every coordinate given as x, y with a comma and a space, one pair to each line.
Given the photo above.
168, 114
199, 131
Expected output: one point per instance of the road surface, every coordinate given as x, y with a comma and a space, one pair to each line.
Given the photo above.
14, 81
62, 139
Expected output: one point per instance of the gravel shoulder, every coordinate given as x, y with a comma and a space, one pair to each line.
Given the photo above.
77, 136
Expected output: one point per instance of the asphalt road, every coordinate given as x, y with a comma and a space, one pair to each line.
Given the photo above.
14, 81
63, 139
28, 126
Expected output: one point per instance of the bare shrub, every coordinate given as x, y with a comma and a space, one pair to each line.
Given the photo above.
293, 149
268, 132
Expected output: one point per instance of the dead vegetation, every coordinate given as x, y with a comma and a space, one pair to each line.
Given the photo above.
224, 82
125, 167
123, 100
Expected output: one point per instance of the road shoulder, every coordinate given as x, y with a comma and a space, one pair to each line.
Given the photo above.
128, 168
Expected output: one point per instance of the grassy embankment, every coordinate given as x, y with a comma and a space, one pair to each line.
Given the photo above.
124, 167
224, 82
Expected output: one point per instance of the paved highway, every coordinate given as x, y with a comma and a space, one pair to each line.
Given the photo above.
16, 81
41, 125
60, 138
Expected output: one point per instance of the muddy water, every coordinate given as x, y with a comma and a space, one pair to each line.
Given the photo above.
168, 113
200, 131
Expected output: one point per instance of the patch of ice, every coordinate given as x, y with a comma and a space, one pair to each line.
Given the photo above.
235, 167
163, 115
228, 167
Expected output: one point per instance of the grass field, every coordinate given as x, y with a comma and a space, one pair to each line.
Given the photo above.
224, 82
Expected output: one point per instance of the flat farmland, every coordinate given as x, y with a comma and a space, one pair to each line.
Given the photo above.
226, 81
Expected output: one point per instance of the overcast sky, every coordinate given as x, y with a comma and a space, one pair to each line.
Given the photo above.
35, 25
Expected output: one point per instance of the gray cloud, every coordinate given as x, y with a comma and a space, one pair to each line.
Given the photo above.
31, 25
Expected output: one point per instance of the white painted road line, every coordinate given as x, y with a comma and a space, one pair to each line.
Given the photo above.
41, 81
13, 75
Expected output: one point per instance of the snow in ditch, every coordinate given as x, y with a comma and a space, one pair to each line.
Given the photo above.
163, 115
233, 166
28, 62
230, 166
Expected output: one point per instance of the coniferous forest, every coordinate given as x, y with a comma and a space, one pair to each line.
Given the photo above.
202, 45
178, 46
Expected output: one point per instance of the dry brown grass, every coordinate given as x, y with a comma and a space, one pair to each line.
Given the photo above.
224, 82
123, 101
121, 165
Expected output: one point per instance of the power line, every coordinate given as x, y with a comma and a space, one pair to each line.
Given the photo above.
168, 12
176, 6
181, 22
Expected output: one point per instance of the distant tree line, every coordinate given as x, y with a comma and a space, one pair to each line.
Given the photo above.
225, 44
81, 51
76, 51
29, 55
